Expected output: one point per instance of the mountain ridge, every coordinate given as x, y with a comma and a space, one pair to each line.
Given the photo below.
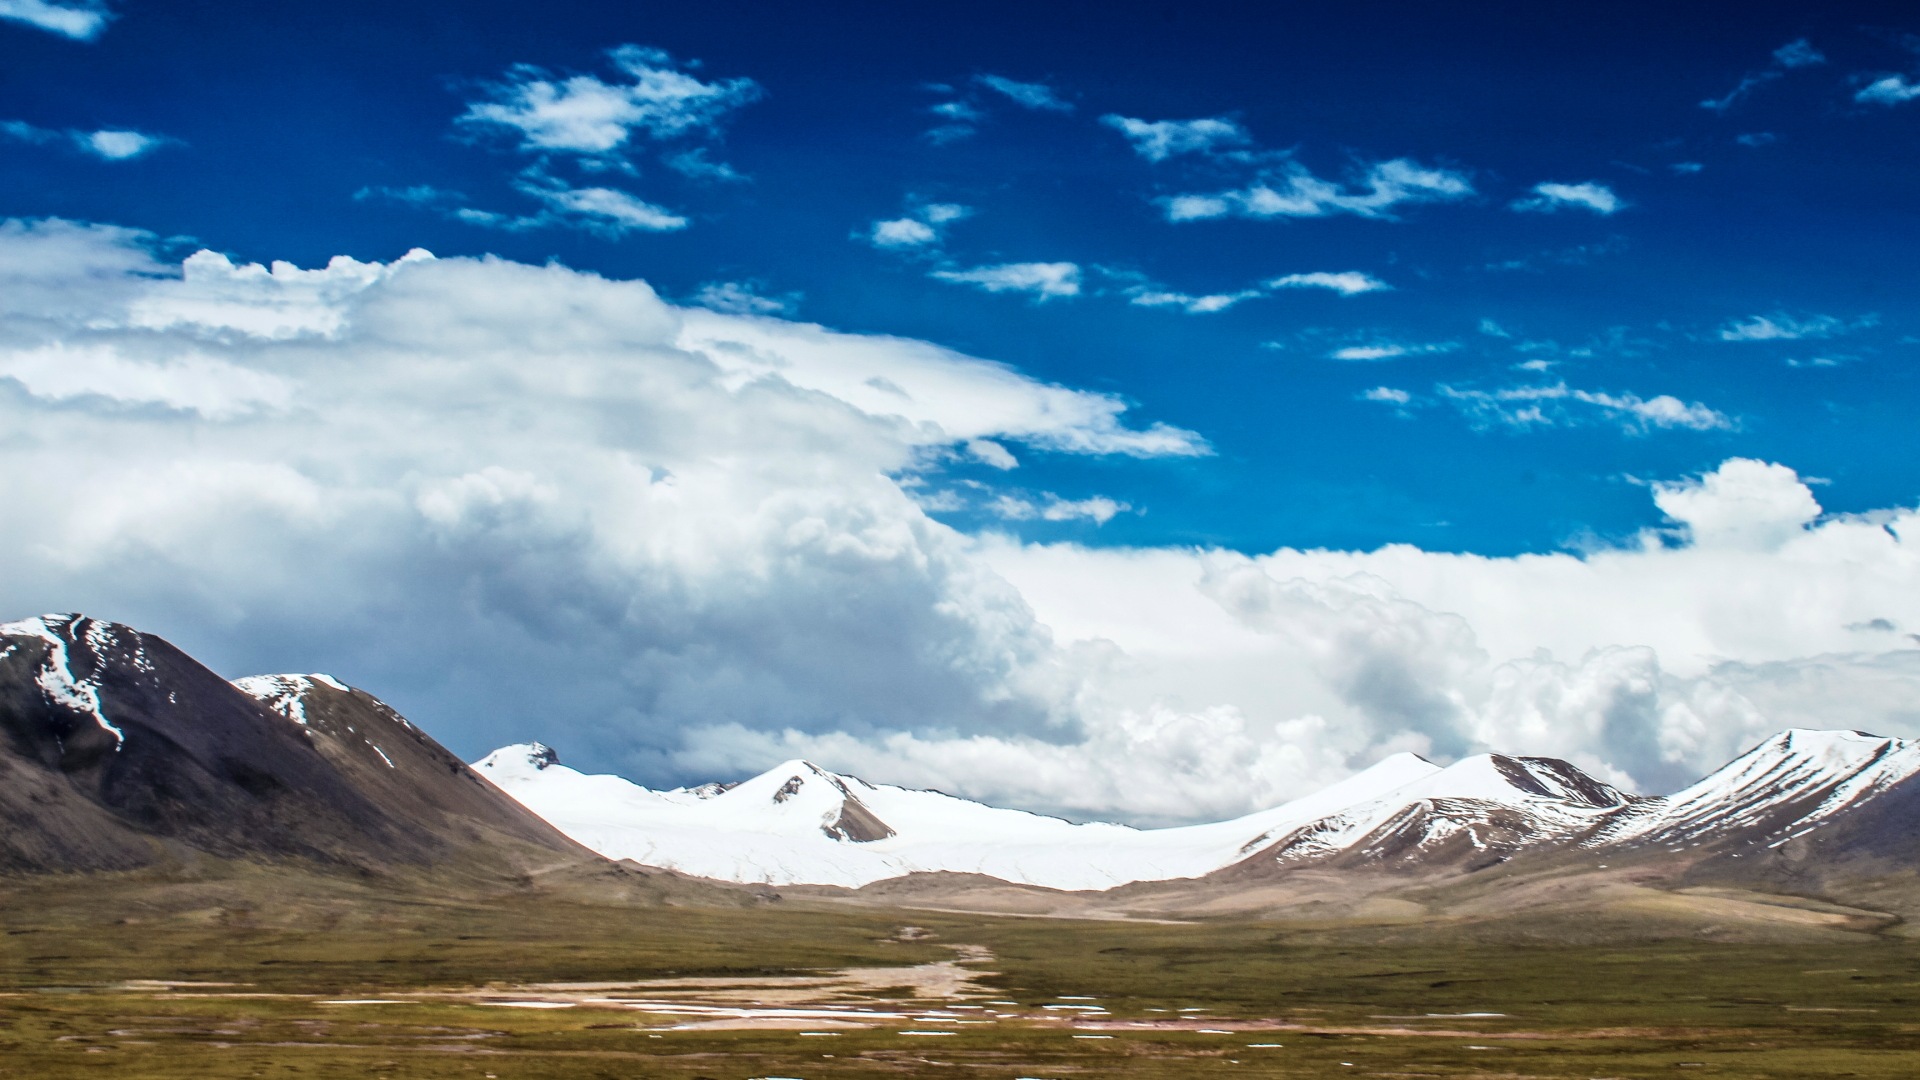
1404, 814
119, 751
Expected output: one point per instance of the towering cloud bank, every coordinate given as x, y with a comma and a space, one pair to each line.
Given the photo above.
531, 502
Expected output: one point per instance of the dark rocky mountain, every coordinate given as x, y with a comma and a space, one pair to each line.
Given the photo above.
119, 751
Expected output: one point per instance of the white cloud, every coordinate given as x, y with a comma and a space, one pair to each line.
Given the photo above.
695, 165
1798, 53
415, 471
529, 502
1158, 140
1390, 350
743, 298
108, 144
116, 145
922, 228
1744, 504
585, 116
1025, 94
902, 233
79, 21
1046, 281
1889, 90
1783, 327
1294, 191
599, 209
1099, 509
1558, 405
1650, 662
1387, 395
1346, 283
1148, 295
1745, 86
1549, 197
988, 452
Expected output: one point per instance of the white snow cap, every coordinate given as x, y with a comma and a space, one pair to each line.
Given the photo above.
786, 825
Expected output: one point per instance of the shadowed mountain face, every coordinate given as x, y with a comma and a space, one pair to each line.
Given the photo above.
117, 751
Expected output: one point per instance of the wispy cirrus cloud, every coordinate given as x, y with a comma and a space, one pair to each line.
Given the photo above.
1547, 198
1346, 283
1142, 291
601, 209
608, 212
1042, 281
1559, 405
744, 298
1150, 295
1293, 191
1781, 326
1391, 350
1798, 53
1027, 95
1158, 140
1050, 507
80, 21
107, 144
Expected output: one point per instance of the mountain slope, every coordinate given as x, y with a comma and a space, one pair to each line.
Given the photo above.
800, 824
117, 750
790, 825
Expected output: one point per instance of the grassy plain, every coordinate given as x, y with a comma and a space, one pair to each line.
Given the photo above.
89, 974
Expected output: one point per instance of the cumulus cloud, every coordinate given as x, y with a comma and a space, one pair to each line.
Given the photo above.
1646, 663
80, 21
529, 502
1044, 281
438, 476
1158, 140
1294, 191
1025, 94
1549, 197
652, 95
1559, 405
107, 144
1387, 395
1346, 283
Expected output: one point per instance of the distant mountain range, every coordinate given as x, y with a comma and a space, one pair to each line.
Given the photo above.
120, 752
799, 824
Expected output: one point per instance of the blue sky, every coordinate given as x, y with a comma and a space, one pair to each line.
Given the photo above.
275, 121
1474, 280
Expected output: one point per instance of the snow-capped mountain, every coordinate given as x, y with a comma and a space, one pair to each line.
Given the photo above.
1784, 787
118, 750
800, 824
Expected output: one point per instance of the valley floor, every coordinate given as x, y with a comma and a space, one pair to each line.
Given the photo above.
256, 976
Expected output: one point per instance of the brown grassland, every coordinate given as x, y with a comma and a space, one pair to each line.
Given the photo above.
242, 973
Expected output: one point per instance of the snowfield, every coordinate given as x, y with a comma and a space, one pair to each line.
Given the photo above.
800, 824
